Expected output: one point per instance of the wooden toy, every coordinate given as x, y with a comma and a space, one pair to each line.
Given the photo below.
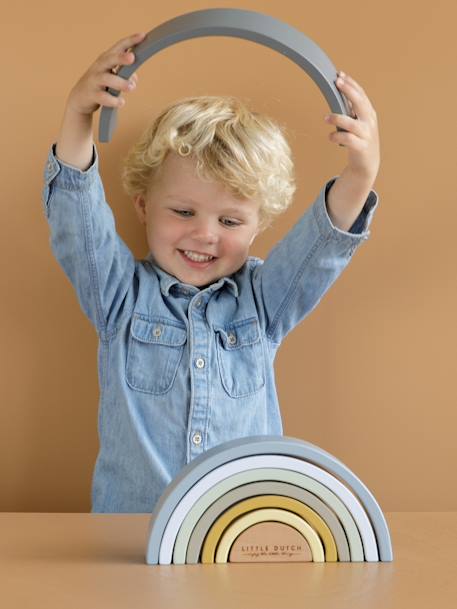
238, 23
265, 498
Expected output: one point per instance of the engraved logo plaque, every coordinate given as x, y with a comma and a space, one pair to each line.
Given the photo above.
270, 542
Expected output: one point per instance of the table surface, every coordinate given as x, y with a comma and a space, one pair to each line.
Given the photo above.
97, 561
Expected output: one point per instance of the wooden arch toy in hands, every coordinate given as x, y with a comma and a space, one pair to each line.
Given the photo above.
237, 23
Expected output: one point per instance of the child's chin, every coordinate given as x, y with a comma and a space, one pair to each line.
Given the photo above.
199, 280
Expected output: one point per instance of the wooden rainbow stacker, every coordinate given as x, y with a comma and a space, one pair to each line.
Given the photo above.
265, 499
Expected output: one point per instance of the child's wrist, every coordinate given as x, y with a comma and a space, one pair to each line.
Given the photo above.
75, 140
73, 114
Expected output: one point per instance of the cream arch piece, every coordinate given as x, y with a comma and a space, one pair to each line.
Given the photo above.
238, 23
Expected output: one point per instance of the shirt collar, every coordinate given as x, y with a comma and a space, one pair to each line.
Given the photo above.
167, 281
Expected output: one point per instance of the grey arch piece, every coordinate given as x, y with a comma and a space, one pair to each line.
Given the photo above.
237, 23
261, 445
266, 488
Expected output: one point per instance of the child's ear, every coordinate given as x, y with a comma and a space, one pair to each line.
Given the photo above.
139, 203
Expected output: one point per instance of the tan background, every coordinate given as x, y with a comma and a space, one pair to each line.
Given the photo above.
370, 374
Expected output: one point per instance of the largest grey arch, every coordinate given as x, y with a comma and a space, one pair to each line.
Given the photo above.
258, 445
237, 23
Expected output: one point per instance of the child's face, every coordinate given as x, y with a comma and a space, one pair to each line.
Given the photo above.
196, 231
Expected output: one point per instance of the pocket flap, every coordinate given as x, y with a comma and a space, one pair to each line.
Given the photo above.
158, 330
240, 333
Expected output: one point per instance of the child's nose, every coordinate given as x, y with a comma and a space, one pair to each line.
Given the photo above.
205, 232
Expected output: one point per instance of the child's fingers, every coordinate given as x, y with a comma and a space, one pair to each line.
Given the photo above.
351, 81
118, 83
134, 78
357, 102
347, 123
128, 42
114, 63
111, 101
360, 103
120, 53
124, 45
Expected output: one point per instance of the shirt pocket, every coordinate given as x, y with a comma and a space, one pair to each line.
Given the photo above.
155, 350
240, 357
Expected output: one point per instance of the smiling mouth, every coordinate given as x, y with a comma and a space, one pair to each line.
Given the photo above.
196, 256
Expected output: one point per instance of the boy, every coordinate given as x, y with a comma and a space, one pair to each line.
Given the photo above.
188, 336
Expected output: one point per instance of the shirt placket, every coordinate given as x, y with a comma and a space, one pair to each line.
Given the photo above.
200, 368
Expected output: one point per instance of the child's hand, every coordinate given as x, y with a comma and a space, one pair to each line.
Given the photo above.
90, 92
362, 139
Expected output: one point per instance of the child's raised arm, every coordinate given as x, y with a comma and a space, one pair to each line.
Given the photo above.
75, 141
361, 138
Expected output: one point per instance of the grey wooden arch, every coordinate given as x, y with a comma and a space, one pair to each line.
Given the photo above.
250, 25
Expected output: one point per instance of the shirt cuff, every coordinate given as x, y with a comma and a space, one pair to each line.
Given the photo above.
359, 229
68, 176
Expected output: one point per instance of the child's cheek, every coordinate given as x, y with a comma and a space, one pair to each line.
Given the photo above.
171, 229
239, 243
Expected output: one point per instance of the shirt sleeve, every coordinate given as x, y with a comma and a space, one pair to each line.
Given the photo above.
301, 267
84, 240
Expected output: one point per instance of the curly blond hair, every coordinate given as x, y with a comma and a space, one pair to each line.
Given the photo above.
245, 151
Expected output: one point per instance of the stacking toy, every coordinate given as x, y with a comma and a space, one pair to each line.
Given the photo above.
267, 499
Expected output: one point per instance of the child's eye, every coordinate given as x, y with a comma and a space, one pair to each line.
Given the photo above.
183, 212
230, 222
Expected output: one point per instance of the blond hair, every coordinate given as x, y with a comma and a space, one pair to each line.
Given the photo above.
243, 150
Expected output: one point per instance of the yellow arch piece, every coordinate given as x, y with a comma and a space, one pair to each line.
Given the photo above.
267, 515
269, 501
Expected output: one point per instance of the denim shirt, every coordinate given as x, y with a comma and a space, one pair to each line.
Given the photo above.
182, 369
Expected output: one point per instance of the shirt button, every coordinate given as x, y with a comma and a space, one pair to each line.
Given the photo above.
200, 362
198, 303
197, 438
157, 331
49, 166
231, 339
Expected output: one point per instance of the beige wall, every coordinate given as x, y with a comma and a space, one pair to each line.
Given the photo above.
370, 374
